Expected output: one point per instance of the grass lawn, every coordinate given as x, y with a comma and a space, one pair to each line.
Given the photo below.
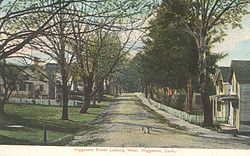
34, 117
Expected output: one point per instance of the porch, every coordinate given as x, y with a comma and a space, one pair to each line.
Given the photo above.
224, 110
227, 128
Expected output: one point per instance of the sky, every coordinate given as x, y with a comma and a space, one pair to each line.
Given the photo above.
236, 43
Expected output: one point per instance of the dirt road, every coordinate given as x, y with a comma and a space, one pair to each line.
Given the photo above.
121, 126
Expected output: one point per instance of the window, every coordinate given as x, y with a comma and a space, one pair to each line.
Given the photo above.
41, 78
41, 87
22, 86
219, 104
25, 77
31, 87
221, 86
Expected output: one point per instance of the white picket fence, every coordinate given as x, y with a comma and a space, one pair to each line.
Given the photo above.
196, 119
47, 102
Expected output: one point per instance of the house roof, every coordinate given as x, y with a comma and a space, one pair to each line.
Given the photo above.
224, 73
242, 71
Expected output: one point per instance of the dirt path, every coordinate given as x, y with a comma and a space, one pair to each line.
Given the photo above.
121, 126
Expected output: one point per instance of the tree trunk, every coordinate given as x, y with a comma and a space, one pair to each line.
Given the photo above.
93, 94
65, 100
87, 96
2, 107
189, 95
151, 92
94, 100
142, 88
146, 90
100, 92
107, 82
203, 78
116, 89
207, 107
120, 89
165, 92
86, 105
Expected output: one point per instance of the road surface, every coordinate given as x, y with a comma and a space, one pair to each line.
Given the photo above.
121, 126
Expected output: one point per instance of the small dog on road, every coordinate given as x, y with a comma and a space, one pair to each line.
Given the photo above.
146, 129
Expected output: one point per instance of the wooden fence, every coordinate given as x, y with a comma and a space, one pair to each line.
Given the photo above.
196, 119
48, 102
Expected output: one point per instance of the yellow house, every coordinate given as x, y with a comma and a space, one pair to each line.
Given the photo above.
220, 107
231, 104
239, 77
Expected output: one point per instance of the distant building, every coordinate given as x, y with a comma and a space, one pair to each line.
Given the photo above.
32, 83
39, 82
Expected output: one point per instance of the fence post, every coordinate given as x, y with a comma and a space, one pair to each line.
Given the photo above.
45, 137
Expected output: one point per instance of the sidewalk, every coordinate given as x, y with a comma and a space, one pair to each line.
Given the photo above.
191, 128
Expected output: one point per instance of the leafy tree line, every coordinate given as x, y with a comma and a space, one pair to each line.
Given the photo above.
177, 49
85, 38
206, 21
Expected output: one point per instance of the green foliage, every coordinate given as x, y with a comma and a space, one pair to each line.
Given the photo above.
10, 76
126, 75
180, 102
169, 56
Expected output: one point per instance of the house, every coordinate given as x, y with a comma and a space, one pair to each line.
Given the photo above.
239, 98
31, 84
24, 81
52, 70
220, 107
39, 82
232, 99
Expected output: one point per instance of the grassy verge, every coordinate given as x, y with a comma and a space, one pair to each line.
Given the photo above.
160, 118
34, 117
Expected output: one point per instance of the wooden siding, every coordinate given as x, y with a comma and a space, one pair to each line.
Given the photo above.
244, 104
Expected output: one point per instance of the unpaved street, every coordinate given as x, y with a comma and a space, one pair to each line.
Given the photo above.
121, 126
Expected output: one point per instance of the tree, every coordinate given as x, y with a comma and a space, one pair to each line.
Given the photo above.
170, 54
170, 57
9, 75
16, 23
141, 65
54, 43
125, 75
206, 21
103, 41
96, 60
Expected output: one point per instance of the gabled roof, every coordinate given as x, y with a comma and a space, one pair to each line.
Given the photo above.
242, 71
222, 73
